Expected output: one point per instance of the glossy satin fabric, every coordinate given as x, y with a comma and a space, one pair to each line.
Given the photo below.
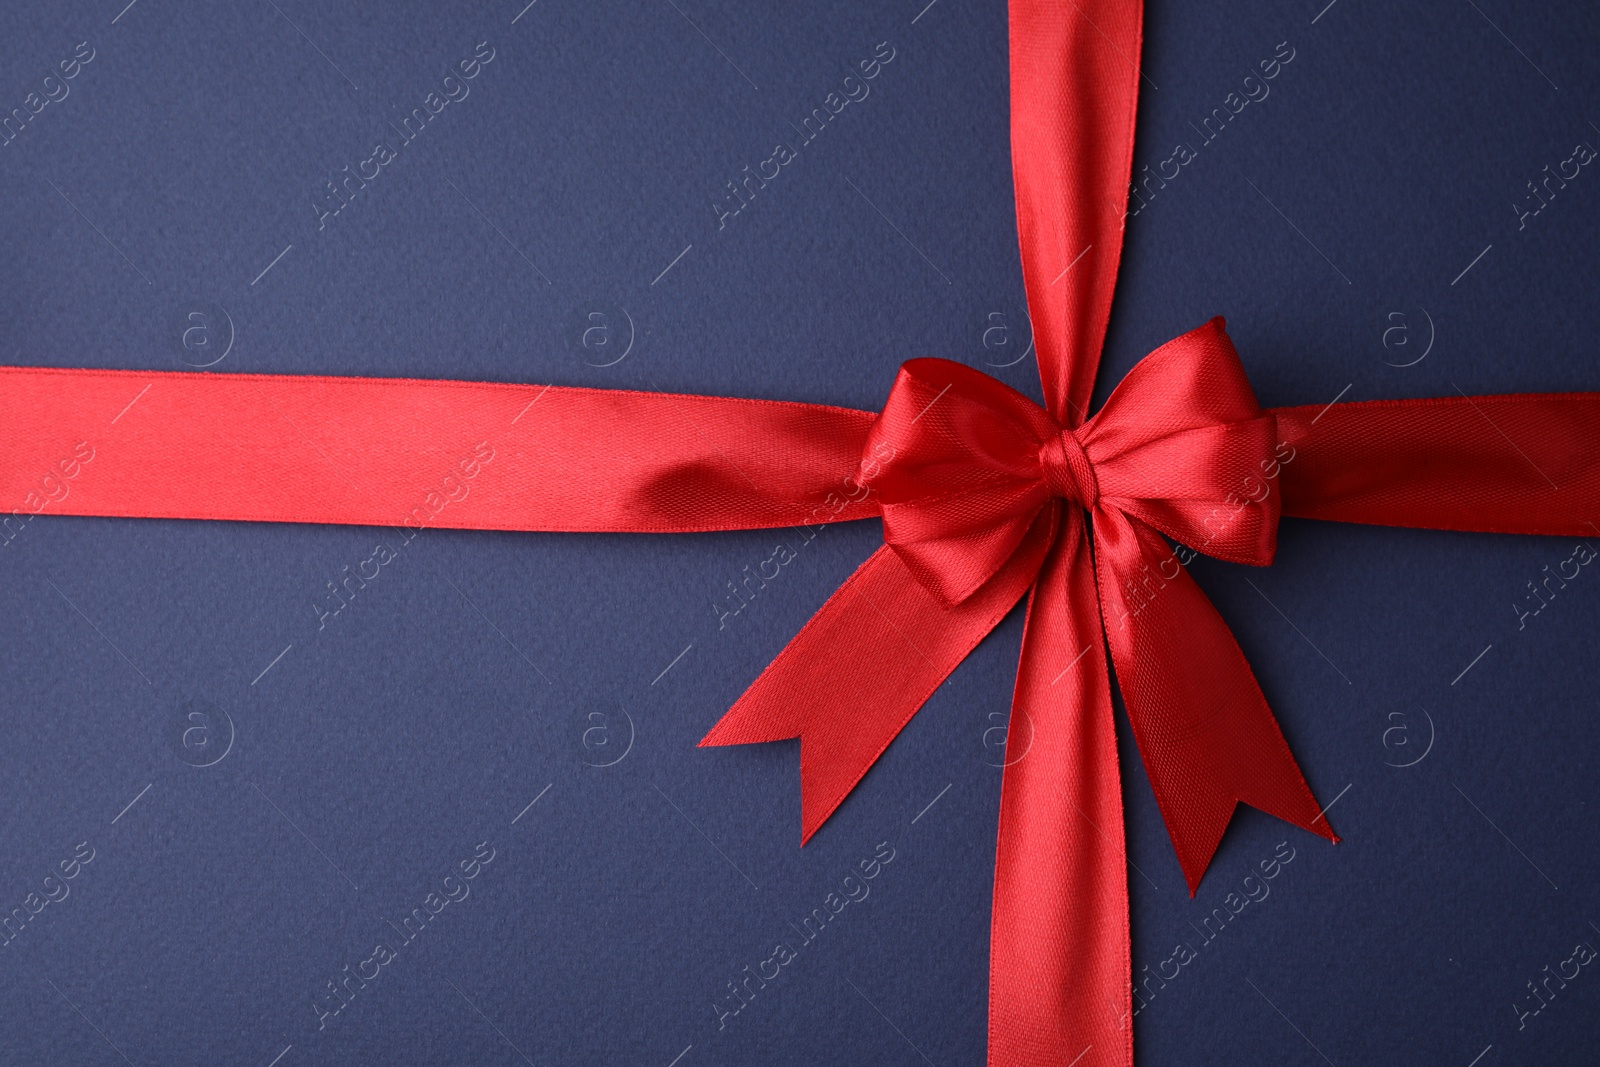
368, 451
372, 451
986, 498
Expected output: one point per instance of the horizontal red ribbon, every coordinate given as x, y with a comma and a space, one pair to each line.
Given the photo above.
367, 451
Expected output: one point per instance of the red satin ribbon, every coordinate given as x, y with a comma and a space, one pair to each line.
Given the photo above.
985, 497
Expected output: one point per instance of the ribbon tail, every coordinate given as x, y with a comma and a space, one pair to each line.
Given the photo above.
1205, 732
854, 675
1060, 989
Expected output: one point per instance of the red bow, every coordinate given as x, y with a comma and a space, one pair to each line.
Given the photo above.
970, 476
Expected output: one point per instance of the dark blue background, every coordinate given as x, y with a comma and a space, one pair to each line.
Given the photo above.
375, 754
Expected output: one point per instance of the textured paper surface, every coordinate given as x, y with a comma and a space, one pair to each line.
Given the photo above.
269, 788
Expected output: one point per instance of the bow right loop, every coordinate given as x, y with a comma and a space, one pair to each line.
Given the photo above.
1183, 445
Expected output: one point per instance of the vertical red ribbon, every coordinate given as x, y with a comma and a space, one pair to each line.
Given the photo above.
1059, 973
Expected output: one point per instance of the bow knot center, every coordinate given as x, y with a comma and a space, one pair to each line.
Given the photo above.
1067, 470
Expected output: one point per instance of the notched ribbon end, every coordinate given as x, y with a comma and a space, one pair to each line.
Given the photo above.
1195, 852
736, 729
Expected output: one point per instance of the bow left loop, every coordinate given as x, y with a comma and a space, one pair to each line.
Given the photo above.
955, 462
